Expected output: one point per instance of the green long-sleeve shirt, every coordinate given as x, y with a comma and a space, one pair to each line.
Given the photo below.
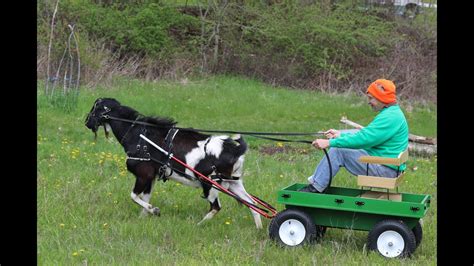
385, 136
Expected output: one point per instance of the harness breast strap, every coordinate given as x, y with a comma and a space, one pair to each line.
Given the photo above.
168, 146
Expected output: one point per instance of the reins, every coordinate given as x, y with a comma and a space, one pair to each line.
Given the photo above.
261, 135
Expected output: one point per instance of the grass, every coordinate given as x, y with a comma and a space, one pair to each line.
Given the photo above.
86, 216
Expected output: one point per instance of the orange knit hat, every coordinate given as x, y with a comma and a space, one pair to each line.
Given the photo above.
383, 90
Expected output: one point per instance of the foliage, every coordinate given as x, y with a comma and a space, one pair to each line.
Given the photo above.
319, 41
149, 29
319, 45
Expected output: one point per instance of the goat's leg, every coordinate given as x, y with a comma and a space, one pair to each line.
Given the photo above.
212, 195
237, 187
146, 195
140, 186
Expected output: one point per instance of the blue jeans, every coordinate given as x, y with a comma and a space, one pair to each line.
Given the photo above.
348, 158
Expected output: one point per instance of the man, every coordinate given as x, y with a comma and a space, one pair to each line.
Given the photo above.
385, 136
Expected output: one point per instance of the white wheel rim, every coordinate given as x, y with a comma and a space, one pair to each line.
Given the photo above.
390, 244
292, 232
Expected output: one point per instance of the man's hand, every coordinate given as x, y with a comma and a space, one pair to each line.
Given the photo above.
332, 133
321, 143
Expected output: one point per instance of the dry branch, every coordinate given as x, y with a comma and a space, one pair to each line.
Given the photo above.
417, 144
411, 137
49, 47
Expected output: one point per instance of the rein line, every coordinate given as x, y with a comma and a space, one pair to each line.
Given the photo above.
253, 134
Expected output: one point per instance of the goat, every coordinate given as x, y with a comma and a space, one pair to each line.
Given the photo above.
220, 157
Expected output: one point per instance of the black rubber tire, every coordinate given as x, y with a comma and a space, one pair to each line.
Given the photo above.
302, 217
392, 225
418, 232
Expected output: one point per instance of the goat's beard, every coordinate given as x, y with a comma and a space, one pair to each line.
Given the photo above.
106, 132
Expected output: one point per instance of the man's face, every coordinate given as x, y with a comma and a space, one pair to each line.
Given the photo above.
374, 103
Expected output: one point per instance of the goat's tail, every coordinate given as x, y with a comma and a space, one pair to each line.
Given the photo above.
242, 145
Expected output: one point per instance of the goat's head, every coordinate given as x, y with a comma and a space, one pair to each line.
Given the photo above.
97, 116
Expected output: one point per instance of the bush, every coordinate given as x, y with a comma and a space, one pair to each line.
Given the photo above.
154, 30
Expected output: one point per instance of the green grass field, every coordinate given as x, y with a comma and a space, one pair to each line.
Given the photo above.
86, 215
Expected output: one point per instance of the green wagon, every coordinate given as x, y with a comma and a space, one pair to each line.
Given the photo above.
394, 225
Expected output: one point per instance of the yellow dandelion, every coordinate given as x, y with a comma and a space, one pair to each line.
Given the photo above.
75, 254
105, 225
61, 225
279, 144
227, 222
81, 250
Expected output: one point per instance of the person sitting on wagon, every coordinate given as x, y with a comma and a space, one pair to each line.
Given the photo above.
385, 136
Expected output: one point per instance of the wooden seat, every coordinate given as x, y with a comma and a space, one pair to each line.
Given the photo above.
378, 181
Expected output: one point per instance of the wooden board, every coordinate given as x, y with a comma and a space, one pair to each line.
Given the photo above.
382, 195
378, 182
402, 158
379, 160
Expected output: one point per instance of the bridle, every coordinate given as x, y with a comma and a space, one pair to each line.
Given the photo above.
102, 115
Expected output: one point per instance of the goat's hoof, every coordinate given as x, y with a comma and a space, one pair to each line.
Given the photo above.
156, 211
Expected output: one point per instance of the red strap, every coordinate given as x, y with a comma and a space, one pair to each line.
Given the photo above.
261, 212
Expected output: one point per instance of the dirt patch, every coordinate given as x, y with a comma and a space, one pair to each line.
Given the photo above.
275, 149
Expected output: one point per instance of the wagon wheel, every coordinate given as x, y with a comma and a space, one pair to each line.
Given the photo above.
418, 232
292, 228
392, 239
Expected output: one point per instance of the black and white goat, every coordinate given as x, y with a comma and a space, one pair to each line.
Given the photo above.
220, 156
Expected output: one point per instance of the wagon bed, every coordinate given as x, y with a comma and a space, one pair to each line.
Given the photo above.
347, 208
